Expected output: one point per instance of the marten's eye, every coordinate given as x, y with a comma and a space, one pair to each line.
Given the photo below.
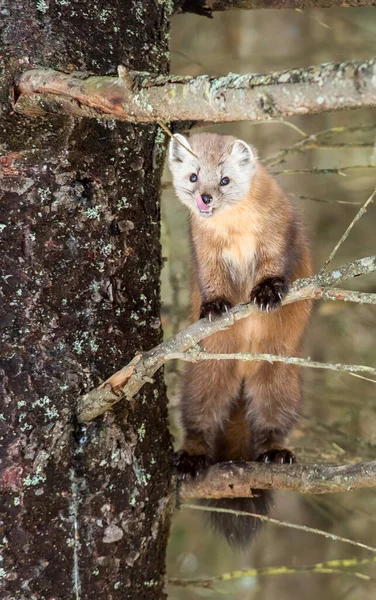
193, 178
225, 181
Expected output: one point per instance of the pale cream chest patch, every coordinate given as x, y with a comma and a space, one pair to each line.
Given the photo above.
240, 255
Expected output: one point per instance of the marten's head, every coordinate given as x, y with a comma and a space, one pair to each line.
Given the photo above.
211, 172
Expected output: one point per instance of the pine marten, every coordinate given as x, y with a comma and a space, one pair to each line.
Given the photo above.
248, 244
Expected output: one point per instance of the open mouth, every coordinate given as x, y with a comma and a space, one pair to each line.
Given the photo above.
205, 209
206, 213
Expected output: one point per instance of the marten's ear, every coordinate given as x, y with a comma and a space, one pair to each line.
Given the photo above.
242, 152
179, 149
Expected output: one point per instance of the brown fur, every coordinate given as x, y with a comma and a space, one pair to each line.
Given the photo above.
233, 409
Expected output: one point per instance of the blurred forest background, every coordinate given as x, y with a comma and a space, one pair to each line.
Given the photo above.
338, 424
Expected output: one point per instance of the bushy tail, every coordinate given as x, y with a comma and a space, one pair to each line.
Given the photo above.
239, 530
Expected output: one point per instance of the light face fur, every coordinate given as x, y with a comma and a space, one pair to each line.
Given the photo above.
216, 159
252, 247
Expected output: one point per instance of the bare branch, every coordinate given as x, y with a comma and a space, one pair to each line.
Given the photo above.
207, 7
345, 235
279, 523
326, 201
196, 354
129, 380
170, 134
237, 480
330, 566
317, 140
362, 377
329, 171
145, 97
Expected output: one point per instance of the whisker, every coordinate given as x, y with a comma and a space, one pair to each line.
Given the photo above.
182, 189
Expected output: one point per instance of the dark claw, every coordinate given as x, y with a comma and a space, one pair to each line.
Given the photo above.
189, 466
279, 457
214, 308
269, 293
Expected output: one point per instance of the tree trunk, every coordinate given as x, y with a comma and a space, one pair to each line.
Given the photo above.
85, 510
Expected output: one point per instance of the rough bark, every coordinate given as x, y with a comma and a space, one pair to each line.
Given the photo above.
207, 7
146, 98
84, 509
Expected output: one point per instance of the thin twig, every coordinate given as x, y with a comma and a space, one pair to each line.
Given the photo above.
313, 141
339, 171
311, 16
338, 566
264, 518
362, 377
283, 122
345, 235
342, 145
330, 430
196, 355
324, 200
166, 130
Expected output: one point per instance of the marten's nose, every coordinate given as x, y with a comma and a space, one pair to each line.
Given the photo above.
206, 198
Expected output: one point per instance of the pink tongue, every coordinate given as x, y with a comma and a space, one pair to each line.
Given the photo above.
201, 206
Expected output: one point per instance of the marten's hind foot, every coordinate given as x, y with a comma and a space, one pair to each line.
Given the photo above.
280, 456
190, 466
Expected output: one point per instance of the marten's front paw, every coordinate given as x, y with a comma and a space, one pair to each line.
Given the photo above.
277, 456
268, 294
189, 466
214, 308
